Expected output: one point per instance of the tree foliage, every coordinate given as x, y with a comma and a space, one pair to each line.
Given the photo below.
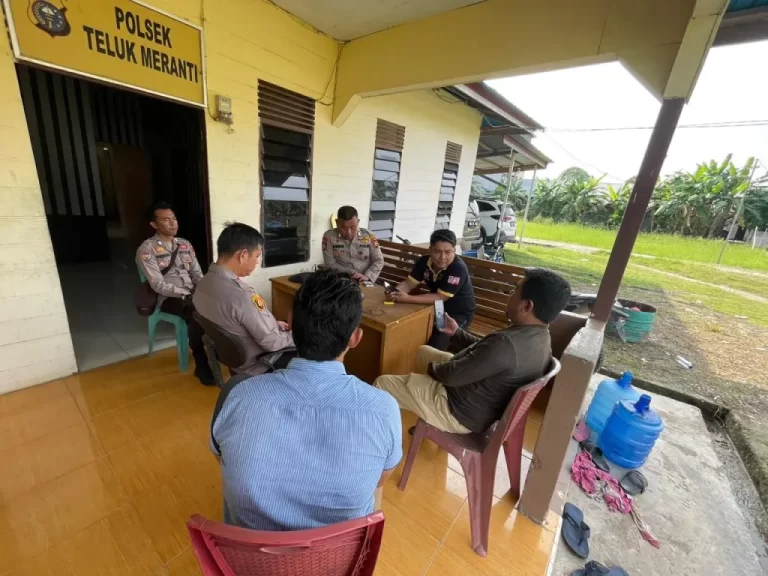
698, 203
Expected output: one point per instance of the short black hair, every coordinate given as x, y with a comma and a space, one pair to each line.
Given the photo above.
161, 205
346, 213
442, 236
548, 291
237, 236
327, 309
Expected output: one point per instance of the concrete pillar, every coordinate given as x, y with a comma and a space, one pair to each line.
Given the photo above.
578, 362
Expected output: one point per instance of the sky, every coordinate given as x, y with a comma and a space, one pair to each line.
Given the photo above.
572, 103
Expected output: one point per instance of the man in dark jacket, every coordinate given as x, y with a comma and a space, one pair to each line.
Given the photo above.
470, 391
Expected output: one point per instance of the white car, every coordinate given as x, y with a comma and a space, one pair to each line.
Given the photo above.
490, 212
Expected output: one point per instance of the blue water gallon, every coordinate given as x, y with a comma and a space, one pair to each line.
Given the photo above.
631, 432
609, 392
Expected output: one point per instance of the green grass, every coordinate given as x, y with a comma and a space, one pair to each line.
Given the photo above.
584, 271
660, 245
711, 273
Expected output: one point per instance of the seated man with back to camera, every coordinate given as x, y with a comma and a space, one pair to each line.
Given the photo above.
235, 307
447, 278
351, 249
309, 445
470, 391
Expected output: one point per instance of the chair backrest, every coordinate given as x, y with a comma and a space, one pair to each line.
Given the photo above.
347, 549
492, 282
518, 407
229, 348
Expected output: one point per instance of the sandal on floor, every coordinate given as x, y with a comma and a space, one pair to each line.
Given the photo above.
575, 531
593, 568
597, 455
634, 483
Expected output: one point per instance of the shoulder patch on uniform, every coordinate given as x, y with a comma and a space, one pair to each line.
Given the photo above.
325, 242
146, 255
374, 241
258, 301
454, 280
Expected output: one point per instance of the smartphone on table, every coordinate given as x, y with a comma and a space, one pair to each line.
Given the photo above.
439, 315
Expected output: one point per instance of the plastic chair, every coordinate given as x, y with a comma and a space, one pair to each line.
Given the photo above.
220, 346
478, 454
180, 326
347, 549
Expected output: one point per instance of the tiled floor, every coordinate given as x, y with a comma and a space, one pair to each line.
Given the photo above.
102, 470
103, 322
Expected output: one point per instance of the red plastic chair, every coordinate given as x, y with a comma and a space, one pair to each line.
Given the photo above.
478, 454
346, 549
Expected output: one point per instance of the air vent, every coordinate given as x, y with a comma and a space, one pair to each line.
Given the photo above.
284, 108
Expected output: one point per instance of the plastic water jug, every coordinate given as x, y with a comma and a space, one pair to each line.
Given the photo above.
609, 392
631, 432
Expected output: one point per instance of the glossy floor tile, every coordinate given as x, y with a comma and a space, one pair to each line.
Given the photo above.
102, 319
103, 469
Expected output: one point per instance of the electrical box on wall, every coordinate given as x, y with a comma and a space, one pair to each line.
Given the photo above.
224, 109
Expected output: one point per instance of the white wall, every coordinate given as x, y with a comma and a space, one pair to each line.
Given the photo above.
35, 345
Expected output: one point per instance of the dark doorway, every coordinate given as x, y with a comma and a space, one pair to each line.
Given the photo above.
103, 155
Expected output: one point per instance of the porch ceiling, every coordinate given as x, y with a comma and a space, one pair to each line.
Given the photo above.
348, 19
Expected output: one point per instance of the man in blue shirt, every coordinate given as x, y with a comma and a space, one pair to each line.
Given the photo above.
307, 446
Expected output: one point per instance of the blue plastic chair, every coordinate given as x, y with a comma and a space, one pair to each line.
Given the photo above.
179, 324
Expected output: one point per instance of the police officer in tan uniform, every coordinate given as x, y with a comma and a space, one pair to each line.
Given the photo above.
234, 306
175, 287
349, 248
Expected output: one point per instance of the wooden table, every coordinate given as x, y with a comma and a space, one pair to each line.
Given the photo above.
392, 334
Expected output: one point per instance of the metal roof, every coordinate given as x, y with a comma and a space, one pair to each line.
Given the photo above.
504, 128
737, 5
744, 21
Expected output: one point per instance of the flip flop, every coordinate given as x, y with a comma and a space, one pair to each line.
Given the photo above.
597, 455
634, 483
575, 531
593, 568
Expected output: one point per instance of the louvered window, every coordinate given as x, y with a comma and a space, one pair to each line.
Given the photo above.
287, 124
448, 185
386, 177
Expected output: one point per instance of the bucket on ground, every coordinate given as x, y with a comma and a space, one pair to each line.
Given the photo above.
639, 321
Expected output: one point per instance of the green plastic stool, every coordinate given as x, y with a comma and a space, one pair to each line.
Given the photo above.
179, 324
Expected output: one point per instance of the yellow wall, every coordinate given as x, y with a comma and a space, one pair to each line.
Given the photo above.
245, 40
499, 38
34, 335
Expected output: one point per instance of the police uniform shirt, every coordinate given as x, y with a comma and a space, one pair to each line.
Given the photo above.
154, 255
234, 306
453, 282
362, 254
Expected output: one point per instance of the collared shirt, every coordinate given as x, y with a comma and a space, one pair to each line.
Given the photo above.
304, 447
481, 379
154, 255
453, 282
361, 254
234, 306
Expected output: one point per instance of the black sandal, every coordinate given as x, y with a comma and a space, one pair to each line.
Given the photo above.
596, 453
634, 483
575, 531
593, 568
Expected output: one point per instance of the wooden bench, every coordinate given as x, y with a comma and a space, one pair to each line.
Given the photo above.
492, 282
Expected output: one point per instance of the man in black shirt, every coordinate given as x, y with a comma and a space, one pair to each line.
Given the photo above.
470, 391
447, 278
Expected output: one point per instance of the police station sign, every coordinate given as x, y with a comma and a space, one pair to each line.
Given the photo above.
123, 42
